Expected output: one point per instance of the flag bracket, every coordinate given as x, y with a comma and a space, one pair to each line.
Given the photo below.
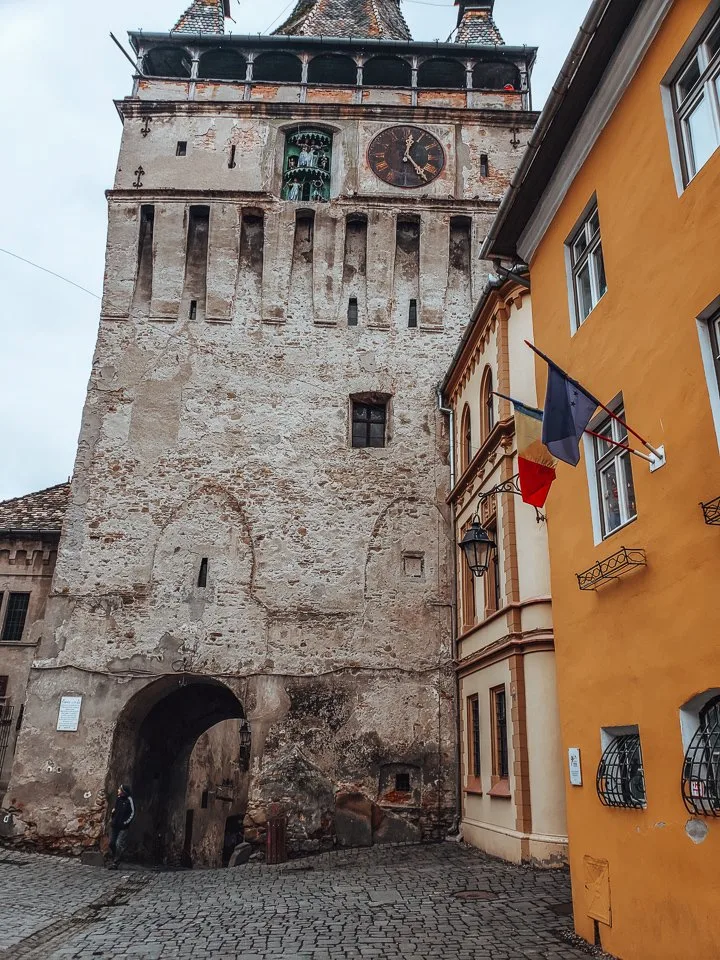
657, 458
507, 486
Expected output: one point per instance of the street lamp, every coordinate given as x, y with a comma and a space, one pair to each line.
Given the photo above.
477, 546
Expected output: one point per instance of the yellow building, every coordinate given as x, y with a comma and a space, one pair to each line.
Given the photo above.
513, 804
615, 209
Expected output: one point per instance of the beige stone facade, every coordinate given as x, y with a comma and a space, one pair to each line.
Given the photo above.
229, 555
512, 794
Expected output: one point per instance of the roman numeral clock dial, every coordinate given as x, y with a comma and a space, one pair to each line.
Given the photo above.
406, 157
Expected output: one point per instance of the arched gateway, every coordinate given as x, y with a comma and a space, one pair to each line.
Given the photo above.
155, 739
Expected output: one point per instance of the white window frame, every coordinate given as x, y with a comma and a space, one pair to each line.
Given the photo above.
707, 319
706, 86
576, 262
621, 459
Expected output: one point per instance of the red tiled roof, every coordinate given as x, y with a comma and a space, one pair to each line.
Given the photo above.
381, 19
477, 26
44, 510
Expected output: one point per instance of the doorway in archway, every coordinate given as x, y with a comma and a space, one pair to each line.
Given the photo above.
178, 744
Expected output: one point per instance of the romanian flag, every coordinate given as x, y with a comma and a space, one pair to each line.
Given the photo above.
536, 466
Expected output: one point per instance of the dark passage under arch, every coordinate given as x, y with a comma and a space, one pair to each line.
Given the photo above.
153, 741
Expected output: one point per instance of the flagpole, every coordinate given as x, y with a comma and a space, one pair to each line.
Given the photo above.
616, 443
643, 441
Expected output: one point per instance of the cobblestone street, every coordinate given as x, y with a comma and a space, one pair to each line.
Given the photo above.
443, 901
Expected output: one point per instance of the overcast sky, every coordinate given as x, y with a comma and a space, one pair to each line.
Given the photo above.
60, 136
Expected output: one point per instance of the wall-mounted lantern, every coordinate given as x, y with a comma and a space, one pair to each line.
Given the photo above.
477, 546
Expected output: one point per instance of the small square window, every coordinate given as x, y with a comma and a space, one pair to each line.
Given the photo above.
368, 424
587, 267
181, 149
402, 782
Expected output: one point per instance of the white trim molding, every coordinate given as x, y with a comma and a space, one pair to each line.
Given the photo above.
621, 69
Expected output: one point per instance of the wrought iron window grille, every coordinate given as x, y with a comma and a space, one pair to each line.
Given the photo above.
701, 767
620, 778
711, 511
611, 568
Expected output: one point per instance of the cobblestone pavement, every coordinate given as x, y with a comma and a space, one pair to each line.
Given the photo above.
443, 901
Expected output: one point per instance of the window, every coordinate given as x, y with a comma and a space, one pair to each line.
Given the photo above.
467, 581
15, 617
613, 475
3, 687
492, 577
696, 103
306, 167
587, 266
714, 330
498, 716
181, 148
387, 72
412, 313
466, 451
402, 782
203, 572
473, 741
620, 779
352, 312
438, 74
701, 767
487, 408
368, 424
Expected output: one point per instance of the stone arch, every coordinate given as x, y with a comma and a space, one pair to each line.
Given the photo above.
152, 744
440, 73
277, 68
222, 63
332, 68
387, 72
496, 75
167, 61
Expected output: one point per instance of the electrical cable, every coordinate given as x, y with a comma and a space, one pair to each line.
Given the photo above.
51, 272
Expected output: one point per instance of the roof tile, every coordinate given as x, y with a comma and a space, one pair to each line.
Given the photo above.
203, 16
381, 19
44, 510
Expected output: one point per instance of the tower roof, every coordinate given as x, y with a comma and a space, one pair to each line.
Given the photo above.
381, 19
204, 16
475, 22
41, 511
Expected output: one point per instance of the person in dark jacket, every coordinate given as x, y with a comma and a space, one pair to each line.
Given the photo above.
120, 819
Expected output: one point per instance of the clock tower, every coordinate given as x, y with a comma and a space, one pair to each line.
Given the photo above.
253, 603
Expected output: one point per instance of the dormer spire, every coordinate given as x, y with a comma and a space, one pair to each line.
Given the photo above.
204, 16
475, 22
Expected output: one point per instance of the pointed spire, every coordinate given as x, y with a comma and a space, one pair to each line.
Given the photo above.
475, 22
381, 19
204, 16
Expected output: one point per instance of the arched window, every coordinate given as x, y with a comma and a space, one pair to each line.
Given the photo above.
387, 72
222, 63
448, 74
332, 68
168, 62
496, 75
307, 163
277, 68
487, 405
701, 768
466, 452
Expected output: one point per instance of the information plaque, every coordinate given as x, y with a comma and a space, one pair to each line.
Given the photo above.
69, 713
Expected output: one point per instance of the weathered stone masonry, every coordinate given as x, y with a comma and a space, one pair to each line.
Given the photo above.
217, 428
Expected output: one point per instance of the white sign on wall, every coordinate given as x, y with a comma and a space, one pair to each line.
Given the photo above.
574, 766
69, 713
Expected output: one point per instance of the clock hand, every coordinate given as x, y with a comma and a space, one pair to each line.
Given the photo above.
408, 143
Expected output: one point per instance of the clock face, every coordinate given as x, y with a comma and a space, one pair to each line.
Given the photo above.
406, 157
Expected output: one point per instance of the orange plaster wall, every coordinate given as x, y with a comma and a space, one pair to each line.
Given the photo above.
636, 650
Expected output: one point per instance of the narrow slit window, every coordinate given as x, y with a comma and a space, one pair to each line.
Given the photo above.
484, 165
352, 312
231, 161
473, 716
501, 770
203, 572
412, 314
193, 309
204, 800
15, 616
181, 149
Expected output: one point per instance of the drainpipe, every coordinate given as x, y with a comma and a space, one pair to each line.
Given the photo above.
453, 609
557, 95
